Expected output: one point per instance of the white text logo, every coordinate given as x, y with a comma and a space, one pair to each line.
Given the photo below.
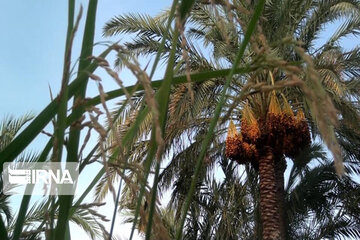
40, 178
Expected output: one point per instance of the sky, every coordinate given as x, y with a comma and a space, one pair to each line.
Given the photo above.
31, 58
32, 46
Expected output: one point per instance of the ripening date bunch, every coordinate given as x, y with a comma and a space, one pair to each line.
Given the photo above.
286, 133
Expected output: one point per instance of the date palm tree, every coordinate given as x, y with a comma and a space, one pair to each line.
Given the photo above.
318, 204
312, 192
282, 50
85, 215
9, 127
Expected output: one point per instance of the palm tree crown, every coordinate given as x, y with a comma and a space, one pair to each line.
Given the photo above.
319, 83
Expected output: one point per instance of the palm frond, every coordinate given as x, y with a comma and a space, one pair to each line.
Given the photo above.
90, 220
10, 126
143, 25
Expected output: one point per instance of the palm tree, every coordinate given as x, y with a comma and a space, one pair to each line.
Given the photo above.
313, 190
318, 204
286, 34
85, 215
9, 127
37, 220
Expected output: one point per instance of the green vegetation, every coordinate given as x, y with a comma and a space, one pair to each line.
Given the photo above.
250, 65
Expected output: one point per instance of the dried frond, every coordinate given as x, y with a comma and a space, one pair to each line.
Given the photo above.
249, 125
232, 132
274, 105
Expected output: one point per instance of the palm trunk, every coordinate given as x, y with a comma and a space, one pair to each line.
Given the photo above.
268, 196
280, 166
